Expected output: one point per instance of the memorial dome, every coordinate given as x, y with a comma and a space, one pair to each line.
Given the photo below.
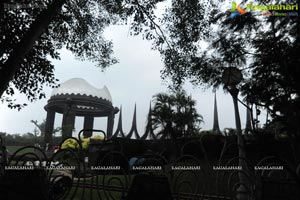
77, 98
79, 86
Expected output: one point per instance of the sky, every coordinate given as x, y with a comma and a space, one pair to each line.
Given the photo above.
134, 79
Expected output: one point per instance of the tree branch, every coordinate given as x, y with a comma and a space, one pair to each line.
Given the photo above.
11, 66
154, 23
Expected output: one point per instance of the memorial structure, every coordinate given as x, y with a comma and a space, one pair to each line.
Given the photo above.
76, 97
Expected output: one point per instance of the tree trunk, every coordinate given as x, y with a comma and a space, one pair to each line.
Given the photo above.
243, 191
11, 66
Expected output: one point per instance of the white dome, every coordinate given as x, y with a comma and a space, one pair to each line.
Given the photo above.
79, 86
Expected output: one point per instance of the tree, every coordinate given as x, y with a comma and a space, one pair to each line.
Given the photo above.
197, 41
265, 51
31, 32
270, 63
175, 115
41, 127
162, 114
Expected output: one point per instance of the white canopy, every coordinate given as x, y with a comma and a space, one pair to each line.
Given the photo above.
79, 86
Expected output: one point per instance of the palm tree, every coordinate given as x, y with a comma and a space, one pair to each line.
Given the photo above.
162, 114
187, 119
175, 115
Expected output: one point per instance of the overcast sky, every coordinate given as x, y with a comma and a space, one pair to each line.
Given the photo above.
135, 79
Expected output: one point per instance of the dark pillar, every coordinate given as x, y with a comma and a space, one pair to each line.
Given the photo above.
88, 124
49, 128
68, 121
248, 127
110, 124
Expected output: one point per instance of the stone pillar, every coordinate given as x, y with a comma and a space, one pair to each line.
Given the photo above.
68, 121
88, 124
110, 124
48, 141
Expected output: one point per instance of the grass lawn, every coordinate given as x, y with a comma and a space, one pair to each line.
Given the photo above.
13, 149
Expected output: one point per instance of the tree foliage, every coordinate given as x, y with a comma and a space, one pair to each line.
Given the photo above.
32, 32
17, 139
175, 115
199, 40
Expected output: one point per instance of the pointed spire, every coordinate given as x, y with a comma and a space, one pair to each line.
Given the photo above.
120, 127
134, 126
216, 118
149, 129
